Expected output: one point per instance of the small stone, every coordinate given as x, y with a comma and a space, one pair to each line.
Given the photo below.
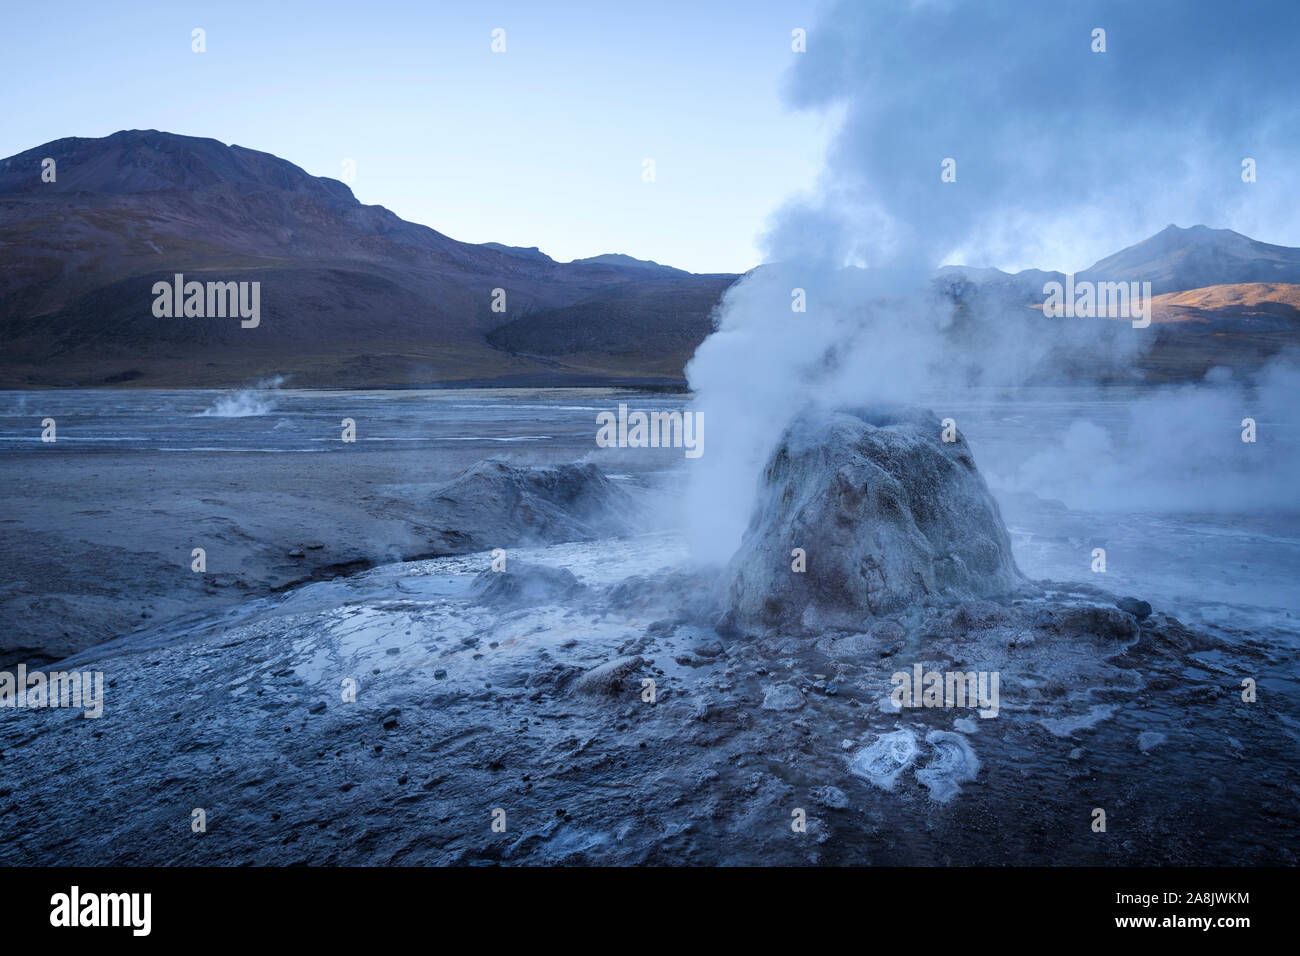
832, 797
1139, 609
783, 697
610, 678
296, 553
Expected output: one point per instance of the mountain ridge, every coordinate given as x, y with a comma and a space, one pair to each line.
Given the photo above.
353, 293
356, 296
1175, 259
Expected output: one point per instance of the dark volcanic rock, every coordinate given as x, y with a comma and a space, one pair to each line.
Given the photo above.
888, 514
1139, 609
609, 678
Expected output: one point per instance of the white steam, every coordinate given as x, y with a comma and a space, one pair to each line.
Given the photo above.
1181, 449
257, 399
1058, 152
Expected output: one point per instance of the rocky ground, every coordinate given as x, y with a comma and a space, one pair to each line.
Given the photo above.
465, 707
94, 545
519, 698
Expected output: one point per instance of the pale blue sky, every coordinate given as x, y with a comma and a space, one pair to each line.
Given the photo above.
1066, 154
541, 145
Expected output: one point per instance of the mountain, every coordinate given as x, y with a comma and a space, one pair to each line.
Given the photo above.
627, 262
1219, 298
354, 296
523, 252
350, 294
1247, 298
1174, 260
609, 325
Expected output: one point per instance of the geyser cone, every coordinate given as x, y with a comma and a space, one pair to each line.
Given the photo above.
886, 514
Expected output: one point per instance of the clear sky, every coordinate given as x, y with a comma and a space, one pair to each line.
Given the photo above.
1066, 154
542, 145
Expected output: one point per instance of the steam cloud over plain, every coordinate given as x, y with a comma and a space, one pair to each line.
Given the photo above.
1062, 156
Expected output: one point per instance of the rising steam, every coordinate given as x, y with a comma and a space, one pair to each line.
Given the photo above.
1062, 155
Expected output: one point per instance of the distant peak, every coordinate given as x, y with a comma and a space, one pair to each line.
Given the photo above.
1200, 229
1173, 229
150, 160
519, 252
626, 261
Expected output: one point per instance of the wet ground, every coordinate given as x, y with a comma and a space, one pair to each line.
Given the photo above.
465, 707
226, 690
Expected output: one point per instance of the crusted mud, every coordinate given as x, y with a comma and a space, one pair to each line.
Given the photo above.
607, 702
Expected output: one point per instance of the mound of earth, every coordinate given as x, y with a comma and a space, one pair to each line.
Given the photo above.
523, 583
497, 505
862, 513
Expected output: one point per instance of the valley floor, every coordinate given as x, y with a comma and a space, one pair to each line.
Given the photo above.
225, 691
535, 715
